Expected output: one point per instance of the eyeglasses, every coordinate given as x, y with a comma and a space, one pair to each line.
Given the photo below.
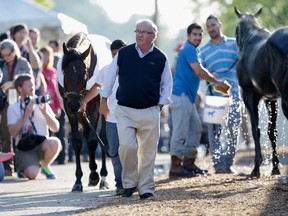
144, 33
8, 55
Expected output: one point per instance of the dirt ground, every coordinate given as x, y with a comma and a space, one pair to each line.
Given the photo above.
219, 194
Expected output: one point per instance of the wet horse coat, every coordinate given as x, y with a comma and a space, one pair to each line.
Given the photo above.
262, 74
78, 66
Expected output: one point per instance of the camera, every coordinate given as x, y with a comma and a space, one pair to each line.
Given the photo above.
37, 100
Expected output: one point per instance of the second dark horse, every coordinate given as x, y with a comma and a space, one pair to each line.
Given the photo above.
78, 64
262, 74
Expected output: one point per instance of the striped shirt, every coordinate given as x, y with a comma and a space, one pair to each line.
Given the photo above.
221, 60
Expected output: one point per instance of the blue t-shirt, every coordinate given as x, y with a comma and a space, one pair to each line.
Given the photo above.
185, 79
219, 58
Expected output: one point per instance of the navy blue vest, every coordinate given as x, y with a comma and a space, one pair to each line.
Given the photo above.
139, 78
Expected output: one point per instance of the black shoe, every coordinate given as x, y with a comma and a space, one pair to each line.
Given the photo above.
197, 170
184, 174
20, 175
147, 196
119, 191
129, 191
201, 171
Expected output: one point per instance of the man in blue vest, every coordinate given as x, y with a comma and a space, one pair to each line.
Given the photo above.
145, 84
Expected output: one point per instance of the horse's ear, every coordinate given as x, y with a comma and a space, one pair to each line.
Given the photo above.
86, 53
258, 13
237, 12
65, 50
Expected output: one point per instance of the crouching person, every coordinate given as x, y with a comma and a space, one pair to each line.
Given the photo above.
29, 124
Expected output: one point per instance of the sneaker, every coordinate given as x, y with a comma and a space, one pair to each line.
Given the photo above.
48, 176
147, 196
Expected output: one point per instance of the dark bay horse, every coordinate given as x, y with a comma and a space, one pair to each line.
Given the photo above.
78, 64
262, 74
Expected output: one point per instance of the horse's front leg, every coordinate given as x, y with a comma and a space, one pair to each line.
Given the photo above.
94, 176
251, 102
77, 145
272, 107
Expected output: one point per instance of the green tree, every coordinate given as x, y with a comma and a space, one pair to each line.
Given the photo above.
45, 3
274, 13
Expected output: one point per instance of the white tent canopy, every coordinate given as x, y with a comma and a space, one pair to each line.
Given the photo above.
51, 24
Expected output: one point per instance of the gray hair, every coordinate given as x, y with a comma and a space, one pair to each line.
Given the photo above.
150, 22
10, 44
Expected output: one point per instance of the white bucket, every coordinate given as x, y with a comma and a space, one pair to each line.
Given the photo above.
215, 109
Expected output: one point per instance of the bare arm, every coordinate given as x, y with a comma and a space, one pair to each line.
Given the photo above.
51, 121
7, 85
34, 58
203, 73
43, 81
93, 92
104, 109
14, 129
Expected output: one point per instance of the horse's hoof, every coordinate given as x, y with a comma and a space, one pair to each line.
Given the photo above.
93, 182
275, 171
103, 186
77, 188
254, 175
93, 179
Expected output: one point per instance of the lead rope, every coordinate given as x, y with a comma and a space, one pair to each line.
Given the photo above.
103, 147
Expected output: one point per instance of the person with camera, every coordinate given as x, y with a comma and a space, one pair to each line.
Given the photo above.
11, 65
29, 122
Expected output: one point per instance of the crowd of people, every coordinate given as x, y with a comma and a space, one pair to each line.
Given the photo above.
134, 89
28, 73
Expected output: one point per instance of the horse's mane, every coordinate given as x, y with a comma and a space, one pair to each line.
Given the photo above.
77, 40
250, 20
76, 46
73, 45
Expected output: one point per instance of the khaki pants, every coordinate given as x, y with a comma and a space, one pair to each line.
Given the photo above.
139, 131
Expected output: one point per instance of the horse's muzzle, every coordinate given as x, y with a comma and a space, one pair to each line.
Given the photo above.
73, 102
73, 107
